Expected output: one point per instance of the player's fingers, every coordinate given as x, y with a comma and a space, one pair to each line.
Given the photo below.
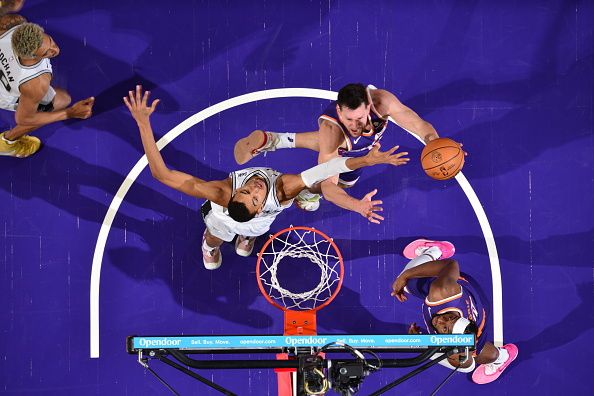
154, 105
392, 150
370, 194
132, 98
127, 103
375, 216
139, 94
376, 203
145, 97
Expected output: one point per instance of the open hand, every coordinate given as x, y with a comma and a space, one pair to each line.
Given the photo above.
368, 208
136, 102
375, 156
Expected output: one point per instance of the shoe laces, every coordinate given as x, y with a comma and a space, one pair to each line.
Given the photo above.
491, 368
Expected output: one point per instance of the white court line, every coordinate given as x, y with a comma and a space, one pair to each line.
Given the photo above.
225, 105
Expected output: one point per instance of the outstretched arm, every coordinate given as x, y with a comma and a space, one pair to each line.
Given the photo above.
294, 184
330, 139
446, 285
217, 191
31, 94
405, 117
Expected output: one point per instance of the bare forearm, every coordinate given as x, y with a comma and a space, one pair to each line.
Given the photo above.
39, 119
422, 129
357, 162
432, 269
338, 196
411, 122
158, 168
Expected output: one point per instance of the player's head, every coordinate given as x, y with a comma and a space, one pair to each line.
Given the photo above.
30, 42
248, 200
452, 323
353, 107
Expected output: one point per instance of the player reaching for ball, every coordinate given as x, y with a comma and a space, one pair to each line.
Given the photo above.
247, 202
348, 127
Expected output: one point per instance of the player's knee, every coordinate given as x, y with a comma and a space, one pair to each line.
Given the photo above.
62, 99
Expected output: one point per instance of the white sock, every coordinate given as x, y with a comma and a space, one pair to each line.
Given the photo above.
285, 139
430, 254
503, 355
207, 247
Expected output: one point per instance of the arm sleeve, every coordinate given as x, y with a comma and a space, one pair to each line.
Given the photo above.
323, 171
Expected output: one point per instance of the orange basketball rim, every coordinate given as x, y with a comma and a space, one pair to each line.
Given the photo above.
300, 308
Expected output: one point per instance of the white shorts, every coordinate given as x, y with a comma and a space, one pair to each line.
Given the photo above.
8, 102
224, 227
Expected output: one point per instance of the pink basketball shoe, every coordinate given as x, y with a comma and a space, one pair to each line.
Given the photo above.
486, 373
416, 248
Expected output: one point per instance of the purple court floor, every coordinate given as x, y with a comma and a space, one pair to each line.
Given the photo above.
512, 81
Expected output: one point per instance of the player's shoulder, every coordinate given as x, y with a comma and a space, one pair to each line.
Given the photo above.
329, 123
8, 21
383, 100
37, 87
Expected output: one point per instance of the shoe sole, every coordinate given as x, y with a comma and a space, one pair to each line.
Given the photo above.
244, 147
410, 249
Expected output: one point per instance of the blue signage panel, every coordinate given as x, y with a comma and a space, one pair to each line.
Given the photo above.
259, 341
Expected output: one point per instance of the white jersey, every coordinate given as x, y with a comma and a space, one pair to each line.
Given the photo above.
221, 225
13, 73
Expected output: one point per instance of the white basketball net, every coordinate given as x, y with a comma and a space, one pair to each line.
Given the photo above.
318, 250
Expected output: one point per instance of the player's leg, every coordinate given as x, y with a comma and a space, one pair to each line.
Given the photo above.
16, 142
420, 252
218, 230
244, 245
211, 252
61, 100
493, 361
247, 233
260, 141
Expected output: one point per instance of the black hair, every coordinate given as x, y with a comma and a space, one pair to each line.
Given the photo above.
352, 96
239, 212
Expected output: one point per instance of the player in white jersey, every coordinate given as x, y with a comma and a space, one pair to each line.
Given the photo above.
246, 203
25, 77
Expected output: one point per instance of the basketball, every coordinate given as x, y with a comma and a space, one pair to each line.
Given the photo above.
442, 159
